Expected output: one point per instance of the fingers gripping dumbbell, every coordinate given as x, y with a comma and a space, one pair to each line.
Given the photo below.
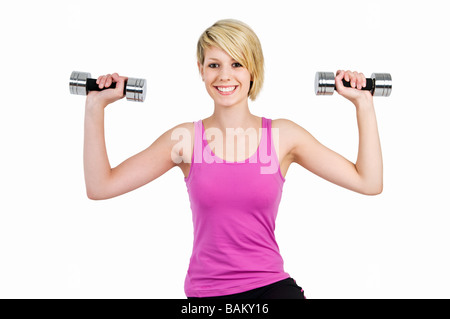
81, 84
379, 84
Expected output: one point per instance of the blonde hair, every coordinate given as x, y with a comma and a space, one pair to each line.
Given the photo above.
241, 43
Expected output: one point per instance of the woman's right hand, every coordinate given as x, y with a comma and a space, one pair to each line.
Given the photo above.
105, 97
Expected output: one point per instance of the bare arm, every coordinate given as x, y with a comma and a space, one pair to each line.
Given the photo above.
366, 175
102, 181
369, 163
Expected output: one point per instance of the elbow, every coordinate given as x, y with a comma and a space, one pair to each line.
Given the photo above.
95, 195
373, 190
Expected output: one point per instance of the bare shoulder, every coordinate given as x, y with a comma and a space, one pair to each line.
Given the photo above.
285, 124
182, 139
285, 130
187, 125
289, 131
292, 138
183, 129
174, 134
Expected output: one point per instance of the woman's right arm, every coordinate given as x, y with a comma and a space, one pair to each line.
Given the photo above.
102, 181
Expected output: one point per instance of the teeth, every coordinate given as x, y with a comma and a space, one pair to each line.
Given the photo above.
226, 89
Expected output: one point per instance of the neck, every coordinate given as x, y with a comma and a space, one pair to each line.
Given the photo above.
232, 117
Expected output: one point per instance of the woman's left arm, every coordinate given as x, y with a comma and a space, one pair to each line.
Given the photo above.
366, 175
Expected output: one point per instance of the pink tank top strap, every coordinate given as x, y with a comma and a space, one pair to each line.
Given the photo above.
268, 153
198, 143
267, 123
270, 140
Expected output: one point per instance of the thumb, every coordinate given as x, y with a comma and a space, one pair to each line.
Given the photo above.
338, 80
120, 80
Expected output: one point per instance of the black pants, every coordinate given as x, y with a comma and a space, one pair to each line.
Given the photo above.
284, 289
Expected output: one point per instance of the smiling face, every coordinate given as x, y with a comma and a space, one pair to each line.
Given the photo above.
226, 80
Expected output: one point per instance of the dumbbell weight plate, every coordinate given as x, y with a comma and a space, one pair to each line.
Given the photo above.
78, 82
324, 83
136, 89
383, 84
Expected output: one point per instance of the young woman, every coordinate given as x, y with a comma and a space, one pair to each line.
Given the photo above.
234, 188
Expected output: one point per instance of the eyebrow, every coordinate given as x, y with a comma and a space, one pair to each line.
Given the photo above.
218, 60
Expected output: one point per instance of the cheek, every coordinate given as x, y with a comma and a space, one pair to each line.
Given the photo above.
246, 78
208, 80
208, 77
246, 82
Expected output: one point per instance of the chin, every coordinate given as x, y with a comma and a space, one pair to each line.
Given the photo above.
226, 103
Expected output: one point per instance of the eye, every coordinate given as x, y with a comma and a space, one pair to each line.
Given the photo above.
237, 65
213, 65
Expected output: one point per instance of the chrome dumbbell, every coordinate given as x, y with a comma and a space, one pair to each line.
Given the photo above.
81, 84
379, 84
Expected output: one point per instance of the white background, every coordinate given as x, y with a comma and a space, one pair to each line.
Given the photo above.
56, 243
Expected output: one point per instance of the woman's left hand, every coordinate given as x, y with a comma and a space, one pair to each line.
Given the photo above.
353, 93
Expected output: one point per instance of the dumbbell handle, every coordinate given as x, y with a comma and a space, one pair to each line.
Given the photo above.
91, 85
369, 84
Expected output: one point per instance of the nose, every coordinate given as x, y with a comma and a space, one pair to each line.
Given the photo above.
225, 74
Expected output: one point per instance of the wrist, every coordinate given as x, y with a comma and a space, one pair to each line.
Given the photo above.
95, 104
364, 103
94, 109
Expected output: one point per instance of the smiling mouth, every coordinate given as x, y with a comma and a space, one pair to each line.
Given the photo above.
226, 90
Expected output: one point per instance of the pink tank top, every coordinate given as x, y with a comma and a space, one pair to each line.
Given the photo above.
234, 207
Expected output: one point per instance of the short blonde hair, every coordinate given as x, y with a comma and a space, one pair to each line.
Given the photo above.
241, 43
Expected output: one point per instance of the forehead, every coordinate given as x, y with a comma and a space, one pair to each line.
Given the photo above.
216, 53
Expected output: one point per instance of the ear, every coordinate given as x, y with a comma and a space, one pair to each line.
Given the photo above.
200, 70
